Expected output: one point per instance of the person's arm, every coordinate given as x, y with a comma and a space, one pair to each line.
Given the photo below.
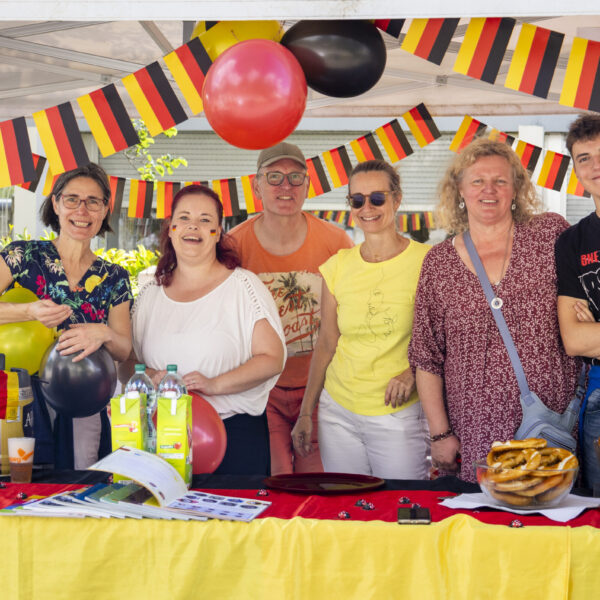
431, 393
46, 312
88, 337
267, 361
329, 334
580, 336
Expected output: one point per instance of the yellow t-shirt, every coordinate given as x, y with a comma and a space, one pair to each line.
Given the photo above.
375, 316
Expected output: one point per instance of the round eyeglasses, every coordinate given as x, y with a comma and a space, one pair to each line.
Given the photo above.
276, 178
92, 204
375, 198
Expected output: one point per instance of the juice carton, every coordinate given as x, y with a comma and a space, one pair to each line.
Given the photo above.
174, 434
128, 423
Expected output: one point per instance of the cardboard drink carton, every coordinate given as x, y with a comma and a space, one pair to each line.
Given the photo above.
128, 422
174, 434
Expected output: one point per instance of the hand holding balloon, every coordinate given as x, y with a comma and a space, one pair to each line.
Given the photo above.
48, 313
84, 338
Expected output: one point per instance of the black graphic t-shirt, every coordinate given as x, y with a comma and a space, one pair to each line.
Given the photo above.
578, 263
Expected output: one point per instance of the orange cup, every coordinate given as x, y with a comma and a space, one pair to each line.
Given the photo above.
20, 456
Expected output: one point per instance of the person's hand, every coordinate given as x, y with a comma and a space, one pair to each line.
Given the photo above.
444, 454
155, 376
399, 388
49, 313
301, 436
196, 382
584, 314
82, 337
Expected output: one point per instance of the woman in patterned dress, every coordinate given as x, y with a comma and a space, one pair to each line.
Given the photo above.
465, 380
86, 298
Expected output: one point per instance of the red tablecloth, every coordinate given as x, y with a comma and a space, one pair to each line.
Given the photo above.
287, 505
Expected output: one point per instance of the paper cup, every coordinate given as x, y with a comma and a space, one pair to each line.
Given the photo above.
20, 456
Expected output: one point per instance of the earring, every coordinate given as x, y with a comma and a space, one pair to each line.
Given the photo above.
513, 206
461, 205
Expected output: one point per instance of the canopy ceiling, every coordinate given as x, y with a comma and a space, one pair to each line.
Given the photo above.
45, 63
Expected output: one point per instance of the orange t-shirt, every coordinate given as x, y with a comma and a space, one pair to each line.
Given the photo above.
295, 283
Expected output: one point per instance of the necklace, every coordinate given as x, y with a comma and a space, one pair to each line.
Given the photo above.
505, 253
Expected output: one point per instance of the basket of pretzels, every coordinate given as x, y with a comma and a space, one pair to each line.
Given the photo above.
527, 473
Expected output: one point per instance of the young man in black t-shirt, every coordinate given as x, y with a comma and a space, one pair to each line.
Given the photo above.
578, 271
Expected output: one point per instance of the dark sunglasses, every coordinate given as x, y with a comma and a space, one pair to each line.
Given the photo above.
375, 198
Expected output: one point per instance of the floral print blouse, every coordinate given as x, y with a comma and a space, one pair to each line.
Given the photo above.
36, 265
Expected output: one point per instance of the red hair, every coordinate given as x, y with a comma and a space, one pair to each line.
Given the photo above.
226, 252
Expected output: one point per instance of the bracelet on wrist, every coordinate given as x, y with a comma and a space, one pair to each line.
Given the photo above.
441, 436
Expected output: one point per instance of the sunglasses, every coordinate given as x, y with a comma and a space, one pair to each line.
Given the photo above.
276, 178
375, 198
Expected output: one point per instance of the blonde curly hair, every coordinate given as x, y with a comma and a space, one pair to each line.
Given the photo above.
454, 220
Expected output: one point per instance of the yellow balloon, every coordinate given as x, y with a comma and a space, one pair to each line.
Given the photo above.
202, 26
24, 343
228, 33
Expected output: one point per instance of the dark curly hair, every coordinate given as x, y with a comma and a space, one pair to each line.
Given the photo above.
584, 128
226, 251
92, 171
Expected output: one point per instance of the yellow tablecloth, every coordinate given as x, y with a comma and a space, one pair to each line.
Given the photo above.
45, 558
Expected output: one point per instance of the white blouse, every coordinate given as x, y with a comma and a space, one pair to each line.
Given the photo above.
212, 335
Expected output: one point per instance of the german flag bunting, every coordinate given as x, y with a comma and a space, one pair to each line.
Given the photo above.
429, 38
554, 169
227, 190
61, 138
574, 187
39, 162
365, 148
534, 60
340, 216
253, 204
140, 199
421, 124
469, 129
109, 122
415, 221
204, 183
529, 155
338, 165
328, 215
49, 182
500, 136
350, 222
394, 141
154, 98
428, 218
483, 47
117, 187
189, 65
318, 181
16, 159
391, 26
403, 222
581, 87
165, 192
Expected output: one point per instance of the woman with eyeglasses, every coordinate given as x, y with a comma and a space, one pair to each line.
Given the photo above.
370, 418
85, 297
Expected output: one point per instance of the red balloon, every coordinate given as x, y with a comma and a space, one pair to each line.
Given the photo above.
209, 438
254, 94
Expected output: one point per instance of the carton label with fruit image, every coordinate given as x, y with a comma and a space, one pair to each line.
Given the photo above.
174, 433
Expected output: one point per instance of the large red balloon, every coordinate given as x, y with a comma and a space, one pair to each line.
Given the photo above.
209, 438
254, 94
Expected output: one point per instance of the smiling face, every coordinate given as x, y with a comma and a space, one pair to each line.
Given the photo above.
586, 161
195, 229
284, 199
487, 188
374, 219
80, 223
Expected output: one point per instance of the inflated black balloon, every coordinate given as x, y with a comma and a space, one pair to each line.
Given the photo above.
339, 58
77, 389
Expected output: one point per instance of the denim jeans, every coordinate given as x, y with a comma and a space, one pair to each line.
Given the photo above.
591, 430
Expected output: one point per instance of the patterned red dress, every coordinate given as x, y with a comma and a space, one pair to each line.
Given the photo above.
455, 337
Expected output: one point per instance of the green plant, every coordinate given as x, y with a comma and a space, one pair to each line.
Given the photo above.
11, 237
150, 168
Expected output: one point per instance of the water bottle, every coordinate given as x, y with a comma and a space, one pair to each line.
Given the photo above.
171, 385
139, 384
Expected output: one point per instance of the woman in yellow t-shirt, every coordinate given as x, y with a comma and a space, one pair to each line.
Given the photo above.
370, 418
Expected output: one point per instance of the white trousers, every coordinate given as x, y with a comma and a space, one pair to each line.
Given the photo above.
394, 446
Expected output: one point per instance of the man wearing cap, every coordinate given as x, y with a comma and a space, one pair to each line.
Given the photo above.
285, 246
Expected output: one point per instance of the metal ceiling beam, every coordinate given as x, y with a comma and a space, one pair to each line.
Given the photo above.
157, 36
46, 27
43, 89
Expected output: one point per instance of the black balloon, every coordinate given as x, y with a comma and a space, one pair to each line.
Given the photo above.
339, 58
77, 389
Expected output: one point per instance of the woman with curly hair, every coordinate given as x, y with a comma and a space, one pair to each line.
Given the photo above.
217, 322
465, 379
